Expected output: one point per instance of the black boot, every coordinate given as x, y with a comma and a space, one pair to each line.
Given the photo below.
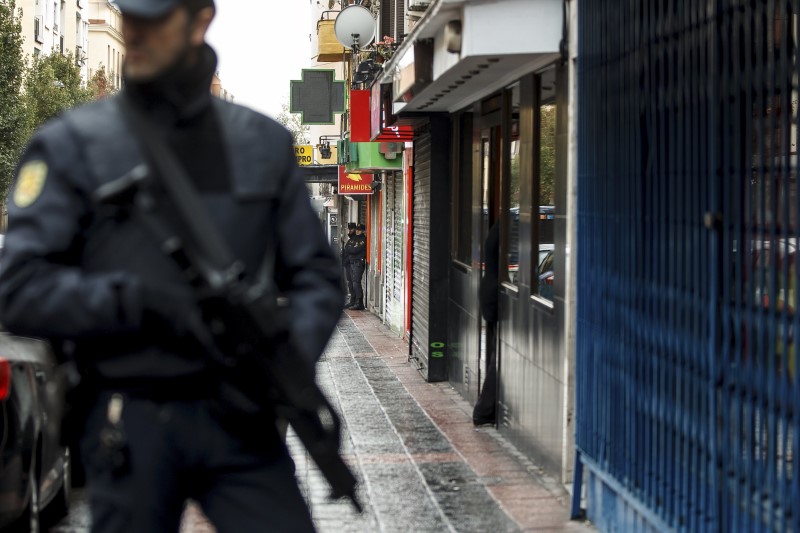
350, 303
484, 411
359, 306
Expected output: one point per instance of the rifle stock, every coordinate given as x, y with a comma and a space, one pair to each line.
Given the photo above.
270, 370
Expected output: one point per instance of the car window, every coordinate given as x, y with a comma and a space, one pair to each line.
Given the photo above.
542, 256
546, 264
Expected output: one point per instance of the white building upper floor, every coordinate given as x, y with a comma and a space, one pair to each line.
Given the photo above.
323, 133
106, 47
55, 25
218, 90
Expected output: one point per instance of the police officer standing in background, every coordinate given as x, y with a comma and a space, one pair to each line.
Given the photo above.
351, 300
91, 280
356, 253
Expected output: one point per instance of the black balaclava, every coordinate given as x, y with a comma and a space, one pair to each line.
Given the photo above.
179, 93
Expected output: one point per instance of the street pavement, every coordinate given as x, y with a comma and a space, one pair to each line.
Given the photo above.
422, 465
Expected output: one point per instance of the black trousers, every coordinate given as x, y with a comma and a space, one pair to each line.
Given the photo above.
485, 408
356, 273
348, 276
242, 477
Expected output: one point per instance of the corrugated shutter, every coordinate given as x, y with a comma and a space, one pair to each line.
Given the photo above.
387, 17
393, 278
420, 318
397, 258
394, 251
400, 20
362, 212
392, 9
388, 279
374, 293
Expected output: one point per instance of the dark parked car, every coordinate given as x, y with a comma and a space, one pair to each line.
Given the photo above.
544, 270
34, 467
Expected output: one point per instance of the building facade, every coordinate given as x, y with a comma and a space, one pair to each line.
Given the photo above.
56, 25
647, 204
688, 393
106, 47
336, 211
218, 90
480, 122
490, 114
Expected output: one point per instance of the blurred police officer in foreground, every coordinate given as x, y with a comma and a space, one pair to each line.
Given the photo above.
93, 282
356, 257
351, 300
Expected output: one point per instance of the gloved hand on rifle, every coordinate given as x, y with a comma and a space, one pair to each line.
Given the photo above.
167, 309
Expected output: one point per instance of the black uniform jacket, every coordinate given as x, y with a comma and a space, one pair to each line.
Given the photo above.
72, 272
355, 249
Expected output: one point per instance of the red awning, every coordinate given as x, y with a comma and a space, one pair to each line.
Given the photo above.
395, 134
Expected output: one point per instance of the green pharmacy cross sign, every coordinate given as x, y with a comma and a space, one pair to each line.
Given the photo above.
317, 97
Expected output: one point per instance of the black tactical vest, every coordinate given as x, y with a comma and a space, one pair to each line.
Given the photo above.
112, 242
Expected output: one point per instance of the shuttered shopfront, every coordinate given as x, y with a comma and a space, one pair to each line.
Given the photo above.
394, 251
430, 250
374, 274
420, 300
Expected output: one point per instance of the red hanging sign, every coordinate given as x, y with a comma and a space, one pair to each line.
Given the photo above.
354, 183
359, 117
380, 104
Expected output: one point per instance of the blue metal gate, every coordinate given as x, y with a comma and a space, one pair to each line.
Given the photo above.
688, 401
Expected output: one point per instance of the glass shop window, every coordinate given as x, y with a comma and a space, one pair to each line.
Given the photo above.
462, 179
514, 196
545, 129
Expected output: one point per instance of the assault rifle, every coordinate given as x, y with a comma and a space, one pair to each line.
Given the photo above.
243, 325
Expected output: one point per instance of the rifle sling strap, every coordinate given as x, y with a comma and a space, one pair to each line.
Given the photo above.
203, 234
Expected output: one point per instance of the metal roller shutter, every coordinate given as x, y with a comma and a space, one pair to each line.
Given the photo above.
400, 21
397, 256
420, 302
388, 248
391, 16
394, 251
362, 211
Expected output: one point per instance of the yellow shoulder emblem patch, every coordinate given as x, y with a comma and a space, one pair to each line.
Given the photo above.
30, 183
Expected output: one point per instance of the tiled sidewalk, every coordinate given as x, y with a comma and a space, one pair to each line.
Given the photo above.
423, 466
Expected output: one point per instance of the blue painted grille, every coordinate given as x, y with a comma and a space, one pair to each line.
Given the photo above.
687, 388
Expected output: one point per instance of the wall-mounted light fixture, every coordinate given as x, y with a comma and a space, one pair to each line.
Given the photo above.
453, 37
324, 145
325, 150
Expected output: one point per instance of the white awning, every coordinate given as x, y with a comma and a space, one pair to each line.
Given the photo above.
496, 42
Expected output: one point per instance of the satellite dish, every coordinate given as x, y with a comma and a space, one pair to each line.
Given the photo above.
354, 27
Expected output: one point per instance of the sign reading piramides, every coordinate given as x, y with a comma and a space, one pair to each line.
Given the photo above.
354, 183
304, 154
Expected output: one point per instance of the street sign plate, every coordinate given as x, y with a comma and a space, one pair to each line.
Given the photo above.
304, 154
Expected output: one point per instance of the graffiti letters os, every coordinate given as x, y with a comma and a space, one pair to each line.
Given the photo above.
438, 347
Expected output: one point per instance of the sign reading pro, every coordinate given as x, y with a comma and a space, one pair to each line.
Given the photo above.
304, 154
